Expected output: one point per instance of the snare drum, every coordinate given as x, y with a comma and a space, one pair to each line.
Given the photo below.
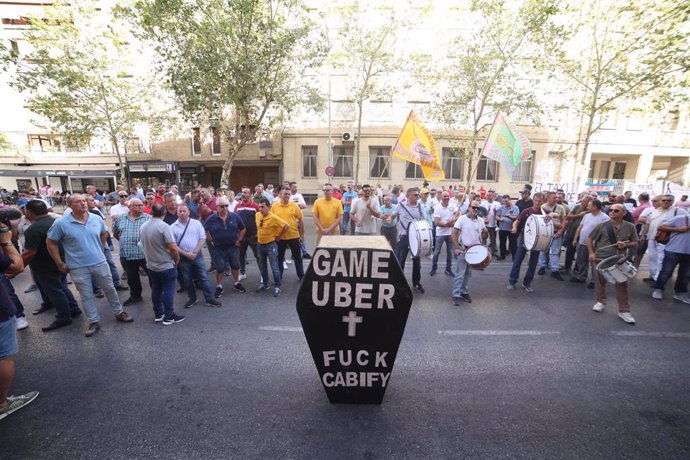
478, 256
538, 234
616, 273
420, 238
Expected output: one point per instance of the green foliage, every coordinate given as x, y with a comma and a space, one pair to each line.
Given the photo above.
5, 143
240, 63
76, 76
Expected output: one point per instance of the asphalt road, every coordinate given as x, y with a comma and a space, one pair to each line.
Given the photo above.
512, 375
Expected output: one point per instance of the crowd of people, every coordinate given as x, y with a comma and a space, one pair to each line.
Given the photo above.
162, 235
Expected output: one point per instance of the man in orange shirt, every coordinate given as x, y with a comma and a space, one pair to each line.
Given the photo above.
270, 230
290, 212
327, 212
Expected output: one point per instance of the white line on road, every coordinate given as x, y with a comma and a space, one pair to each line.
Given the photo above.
460, 332
684, 335
280, 328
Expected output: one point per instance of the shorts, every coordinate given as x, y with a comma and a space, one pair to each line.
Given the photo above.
225, 259
8, 338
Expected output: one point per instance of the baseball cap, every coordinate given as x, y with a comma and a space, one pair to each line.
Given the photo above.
425, 190
22, 202
525, 190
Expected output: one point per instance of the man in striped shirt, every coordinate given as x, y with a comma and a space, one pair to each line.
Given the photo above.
127, 230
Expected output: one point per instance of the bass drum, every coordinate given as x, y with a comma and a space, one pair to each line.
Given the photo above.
615, 272
420, 238
537, 234
478, 256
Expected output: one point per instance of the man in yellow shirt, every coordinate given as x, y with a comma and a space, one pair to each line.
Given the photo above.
327, 212
270, 229
290, 212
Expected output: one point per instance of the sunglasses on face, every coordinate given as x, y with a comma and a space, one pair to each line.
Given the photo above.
327, 190
615, 210
474, 207
123, 196
666, 200
222, 205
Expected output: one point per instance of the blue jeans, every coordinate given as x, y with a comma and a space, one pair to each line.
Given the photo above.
196, 270
81, 277
268, 254
8, 338
346, 222
54, 285
671, 259
554, 255
437, 250
519, 257
463, 273
163, 291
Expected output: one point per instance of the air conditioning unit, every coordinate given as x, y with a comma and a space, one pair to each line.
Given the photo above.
262, 153
347, 137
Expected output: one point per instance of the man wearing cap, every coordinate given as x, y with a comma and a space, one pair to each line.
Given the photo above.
525, 202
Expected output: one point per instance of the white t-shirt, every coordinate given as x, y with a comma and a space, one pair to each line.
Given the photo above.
117, 210
589, 221
445, 215
365, 221
298, 199
659, 216
491, 208
470, 230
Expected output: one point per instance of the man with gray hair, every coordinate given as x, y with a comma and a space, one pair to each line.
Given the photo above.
224, 232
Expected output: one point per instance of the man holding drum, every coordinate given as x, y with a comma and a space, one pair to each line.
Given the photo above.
408, 212
468, 231
609, 239
518, 228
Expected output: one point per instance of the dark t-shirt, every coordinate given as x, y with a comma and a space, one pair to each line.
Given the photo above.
170, 218
522, 218
7, 308
224, 234
522, 204
35, 238
247, 212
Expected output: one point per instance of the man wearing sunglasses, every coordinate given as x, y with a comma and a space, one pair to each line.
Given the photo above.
407, 212
600, 246
121, 208
655, 250
224, 232
468, 231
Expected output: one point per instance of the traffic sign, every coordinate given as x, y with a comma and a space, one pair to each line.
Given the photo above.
330, 171
353, 304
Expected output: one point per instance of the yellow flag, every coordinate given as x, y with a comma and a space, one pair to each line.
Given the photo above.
417, 145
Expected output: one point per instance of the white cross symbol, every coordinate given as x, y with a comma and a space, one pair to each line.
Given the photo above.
352, 320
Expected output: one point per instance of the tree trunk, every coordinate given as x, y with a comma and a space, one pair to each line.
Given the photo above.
123, 175
227, 166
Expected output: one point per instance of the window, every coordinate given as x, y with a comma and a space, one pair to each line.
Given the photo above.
379, 162
592, 166
309, 153
634, 121
523, 171
342, 161
671, 121
604, 169
413, 171
41, 143
196, 141
453, 162
609, 120
619, 170
215, 133
487, 170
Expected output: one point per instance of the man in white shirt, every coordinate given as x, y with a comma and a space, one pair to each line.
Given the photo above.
363, 211
467, 231
445, 216
121, 208
491, 206
588, 224
655, 250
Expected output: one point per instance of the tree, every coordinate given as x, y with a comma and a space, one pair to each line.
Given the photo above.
364, 54
633, 51
77, 75
237, 63
494, 69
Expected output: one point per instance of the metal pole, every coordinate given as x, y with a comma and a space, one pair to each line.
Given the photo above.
330, 139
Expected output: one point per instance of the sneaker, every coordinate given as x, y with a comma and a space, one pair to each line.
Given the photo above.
541, 271
190, 302
576, 280
456, 301
31, 288
289, 261
450, 273
213, 303
121, 287
124, 317
598, 307
131, 301
511, 287
243, 276
683, 297
14, 403
418, 287
238, 287
262, 287
99, 293
173, 319
557, 275
93, 328
466, 297
56, 325
22, 323
277, 292
658, 294
590, 285
627, 317
527, 288
219, 292
432, 272
306, 255
159, 318
285, 265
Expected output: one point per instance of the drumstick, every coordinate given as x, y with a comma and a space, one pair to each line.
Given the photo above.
614, 244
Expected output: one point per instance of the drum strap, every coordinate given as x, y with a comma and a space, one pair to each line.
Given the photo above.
611, 232
421, 216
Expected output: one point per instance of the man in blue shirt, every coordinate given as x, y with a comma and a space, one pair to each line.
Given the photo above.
347, 205
224, 231
676, 252
83, 236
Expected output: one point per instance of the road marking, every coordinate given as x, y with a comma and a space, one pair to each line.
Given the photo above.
509, 333
280, 328
684, 335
